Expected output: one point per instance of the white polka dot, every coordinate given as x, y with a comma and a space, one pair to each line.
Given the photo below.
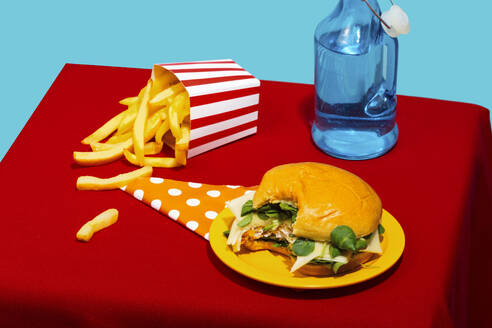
213, 193
138, 194
174, 214
156, 203
174, 192
192, 225
232, 187
206, 236
156, 180
211, 215
192, 202
249, 192
194, 184
123, 188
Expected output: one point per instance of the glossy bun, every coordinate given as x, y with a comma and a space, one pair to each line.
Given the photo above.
326, 197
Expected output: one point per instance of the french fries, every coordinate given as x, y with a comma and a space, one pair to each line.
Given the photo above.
128, 101
182, 143
103, 220
94, 183
158, 116
139, 126
152, 161
153, 148
104, 130
163, 97
97, 157
119, 138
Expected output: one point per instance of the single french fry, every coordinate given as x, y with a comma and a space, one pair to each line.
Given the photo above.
153, 148
163, 128
184, 111
98, 157
163, 114
94, 183
119, 138
139, 125
180, 156
103, 220
127, 121
128, 101
172, 115
183, 142
163, 97
105, 130
99, 146
152, 161
151, 126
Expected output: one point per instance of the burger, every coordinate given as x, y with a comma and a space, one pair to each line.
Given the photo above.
326, 220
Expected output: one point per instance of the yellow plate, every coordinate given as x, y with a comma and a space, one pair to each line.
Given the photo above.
273, 269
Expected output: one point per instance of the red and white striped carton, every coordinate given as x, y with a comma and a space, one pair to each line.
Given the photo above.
224, 101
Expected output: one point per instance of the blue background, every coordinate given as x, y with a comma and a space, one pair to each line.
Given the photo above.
445, 56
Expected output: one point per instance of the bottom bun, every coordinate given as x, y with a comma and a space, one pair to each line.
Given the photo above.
309, 269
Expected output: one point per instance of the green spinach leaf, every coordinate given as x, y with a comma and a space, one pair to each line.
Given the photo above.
247, 208
273, 213
361, 243
334, 252
262, 216
381, 229
303, 247
245, 221
265, 207
343, 237
337, 266
287, 207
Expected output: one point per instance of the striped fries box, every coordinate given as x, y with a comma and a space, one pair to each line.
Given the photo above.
224, 101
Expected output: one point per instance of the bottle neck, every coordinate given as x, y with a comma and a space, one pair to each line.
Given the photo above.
356, 12
351, 28
360, 6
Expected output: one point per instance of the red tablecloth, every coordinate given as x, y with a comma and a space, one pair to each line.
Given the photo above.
147, 270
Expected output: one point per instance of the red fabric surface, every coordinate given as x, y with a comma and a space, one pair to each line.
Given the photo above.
146, 270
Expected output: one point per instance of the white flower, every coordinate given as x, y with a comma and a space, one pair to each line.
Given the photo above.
397, 19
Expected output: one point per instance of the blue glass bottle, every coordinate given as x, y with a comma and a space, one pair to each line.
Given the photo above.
355, 81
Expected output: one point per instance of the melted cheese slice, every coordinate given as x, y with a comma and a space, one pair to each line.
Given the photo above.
373, 245
326, 256
319, 249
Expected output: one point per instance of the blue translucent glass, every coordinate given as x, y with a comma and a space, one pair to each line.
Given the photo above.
355, 81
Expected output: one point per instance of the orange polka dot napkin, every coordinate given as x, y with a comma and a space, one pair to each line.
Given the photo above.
194, 205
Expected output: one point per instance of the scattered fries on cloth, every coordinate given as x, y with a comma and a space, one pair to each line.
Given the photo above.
101, 221
194, 205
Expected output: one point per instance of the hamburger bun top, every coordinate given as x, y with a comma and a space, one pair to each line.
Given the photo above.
326, 197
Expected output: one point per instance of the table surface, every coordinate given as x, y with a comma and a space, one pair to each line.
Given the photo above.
148, 270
